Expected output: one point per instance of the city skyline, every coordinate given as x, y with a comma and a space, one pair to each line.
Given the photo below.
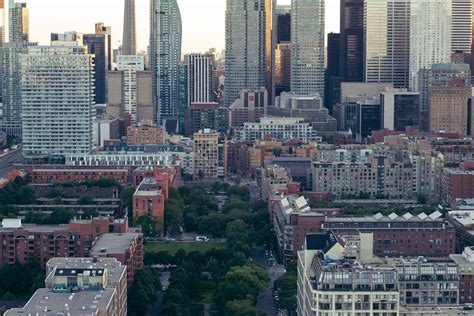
44, 20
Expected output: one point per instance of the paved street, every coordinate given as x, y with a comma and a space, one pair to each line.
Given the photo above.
165, 282
8, 160
266, 302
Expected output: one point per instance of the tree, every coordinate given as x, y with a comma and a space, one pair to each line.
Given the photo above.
286, 285
26, 195
60, 216
126, 198
241, 308
142, 293
422, 199
241, 283
85, 200
173, 214
147, 225
236, 231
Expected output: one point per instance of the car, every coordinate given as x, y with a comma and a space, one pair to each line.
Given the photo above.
201, 238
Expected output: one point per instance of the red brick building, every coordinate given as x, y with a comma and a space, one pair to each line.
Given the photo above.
127, 248
294, 219
457, 183
149, 200
52, 174
407, 235
20, 242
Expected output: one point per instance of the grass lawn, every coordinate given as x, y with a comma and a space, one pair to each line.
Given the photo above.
173, 247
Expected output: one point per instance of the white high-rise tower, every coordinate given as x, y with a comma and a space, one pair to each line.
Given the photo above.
307, 47
430, 35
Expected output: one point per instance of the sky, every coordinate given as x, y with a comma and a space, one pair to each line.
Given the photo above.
203, 20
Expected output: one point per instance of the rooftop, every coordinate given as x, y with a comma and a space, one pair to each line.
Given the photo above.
114, 267
113, 243
45, 302
407, 217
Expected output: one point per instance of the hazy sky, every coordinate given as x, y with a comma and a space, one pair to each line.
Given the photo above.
203, 20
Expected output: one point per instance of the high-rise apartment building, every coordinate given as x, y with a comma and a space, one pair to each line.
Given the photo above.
451, 108
2, 22
430, 35
387, 41
183, 100
57, 99
210, 155
165, 54
245, 47
10, 79
98, 45
19, 22
129, 42
199, 77
130, 65
461, 26
118, 101
307, 47
352, 40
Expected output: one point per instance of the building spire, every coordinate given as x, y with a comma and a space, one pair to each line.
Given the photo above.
129, 43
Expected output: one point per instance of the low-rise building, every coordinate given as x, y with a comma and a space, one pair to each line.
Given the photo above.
273, 175
53, 174
126, 247
329, 284
146, 134
293, 220
80, 286
149, 201
249, 107
19, 242
394, 235
277, 128
457, 183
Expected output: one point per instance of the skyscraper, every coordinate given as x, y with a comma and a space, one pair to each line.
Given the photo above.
387, 41
245, 44
100, 28
199, 77
130, 65
19, 22
165, 54
98, 45
333, 76
57, 98
129, 42
430, 35
2, 22
282, 37
307, 44
461, 26
269, 49
352, 40
10, 80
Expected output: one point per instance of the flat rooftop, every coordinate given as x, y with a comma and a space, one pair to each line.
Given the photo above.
114, 267
113, 243
45, 302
